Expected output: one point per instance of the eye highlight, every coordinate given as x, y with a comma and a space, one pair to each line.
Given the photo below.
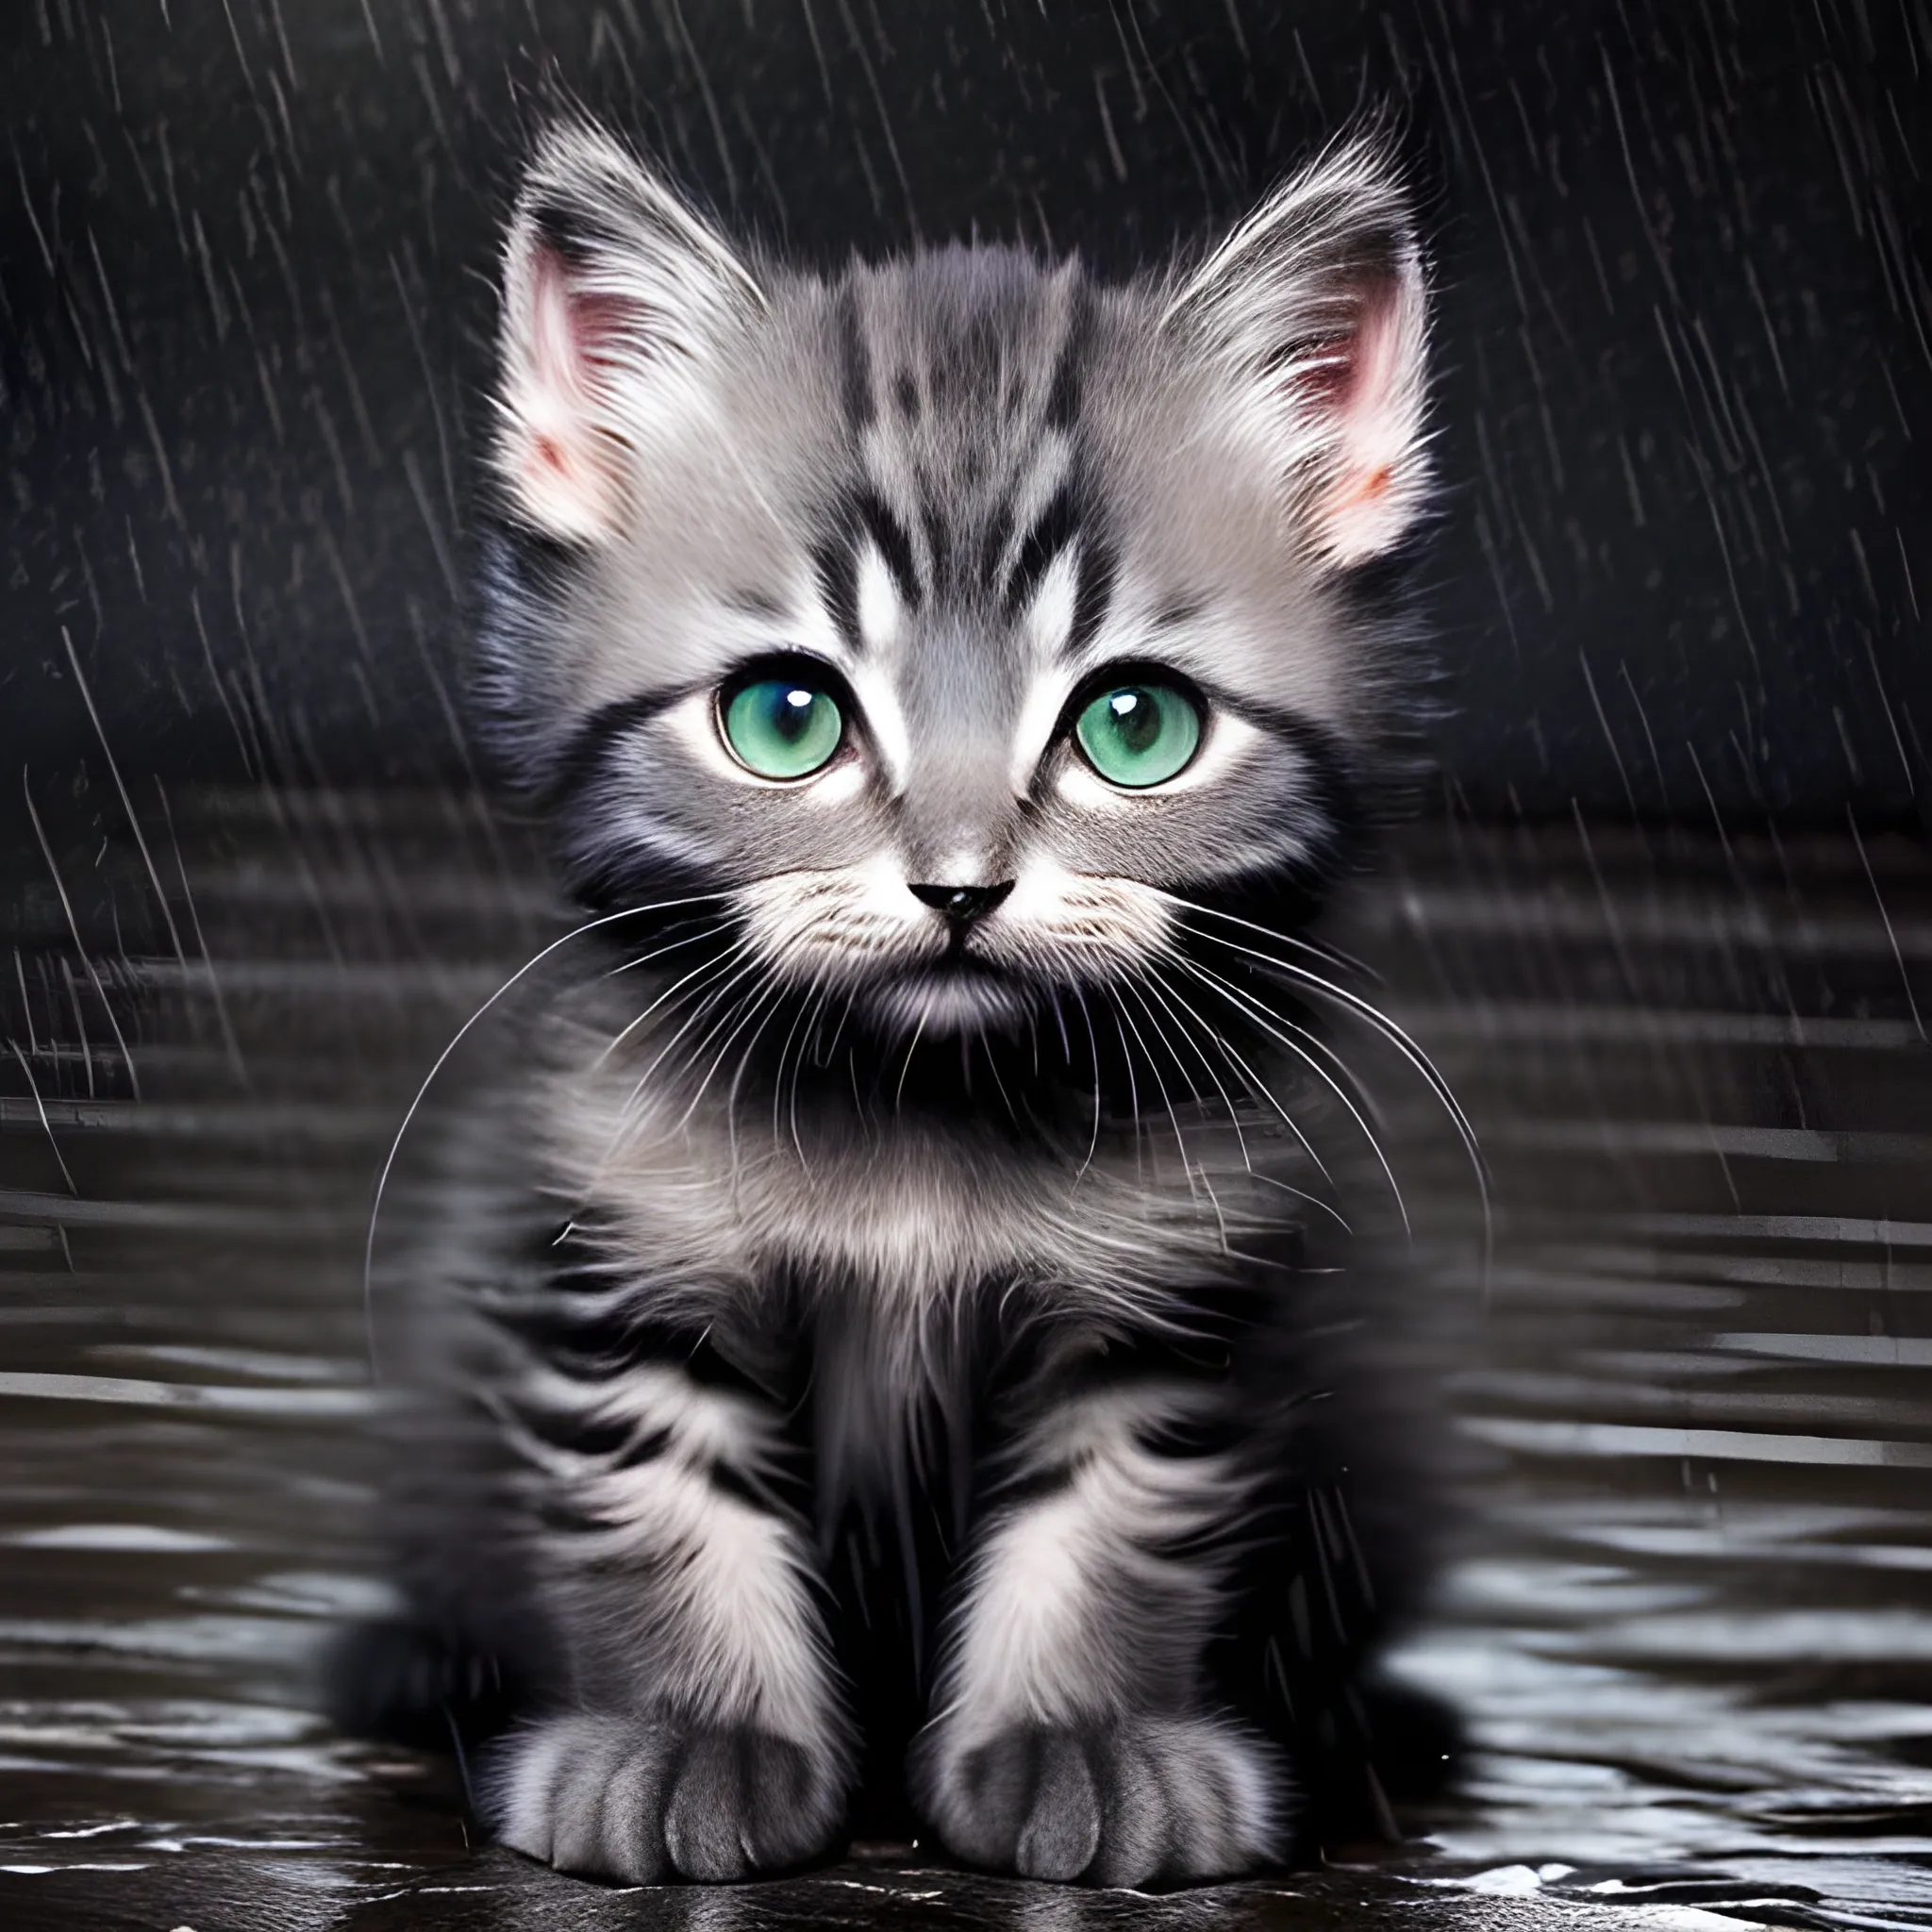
781, 727
1139, 734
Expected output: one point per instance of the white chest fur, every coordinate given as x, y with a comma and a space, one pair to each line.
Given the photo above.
714, 1199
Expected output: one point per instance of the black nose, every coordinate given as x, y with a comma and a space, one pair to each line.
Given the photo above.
962, 905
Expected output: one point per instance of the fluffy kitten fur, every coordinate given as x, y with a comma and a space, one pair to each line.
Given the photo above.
869, 1346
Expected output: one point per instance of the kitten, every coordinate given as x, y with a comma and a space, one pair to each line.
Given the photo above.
873, 1343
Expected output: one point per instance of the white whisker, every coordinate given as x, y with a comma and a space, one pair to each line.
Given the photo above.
456, 1039
637, 1019
1093, 1050
1397, 1036
707, 1004
1188, 1167
767, 1001
1273, 1023
667, 999
820, 997
906, 1067
1133, 1096
1256, 1085
800, 1031
1262, 1091
1169, 998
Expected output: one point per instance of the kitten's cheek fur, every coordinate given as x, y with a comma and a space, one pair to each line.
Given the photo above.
641, 1798
1124, 1801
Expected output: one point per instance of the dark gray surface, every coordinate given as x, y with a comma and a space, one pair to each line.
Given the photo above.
1689, 1617
245, 249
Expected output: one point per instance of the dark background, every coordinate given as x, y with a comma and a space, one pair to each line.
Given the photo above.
245, 249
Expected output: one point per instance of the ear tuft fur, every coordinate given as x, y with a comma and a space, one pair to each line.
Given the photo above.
614, 294
1316, 305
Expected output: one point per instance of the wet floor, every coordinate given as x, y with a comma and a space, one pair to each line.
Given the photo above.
1691, 1613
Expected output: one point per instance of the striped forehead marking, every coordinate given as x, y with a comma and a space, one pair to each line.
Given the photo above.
1013, 560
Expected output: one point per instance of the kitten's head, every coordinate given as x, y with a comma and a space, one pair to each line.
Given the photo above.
957, 618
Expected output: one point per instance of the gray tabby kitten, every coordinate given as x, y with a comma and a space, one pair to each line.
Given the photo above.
874, 1346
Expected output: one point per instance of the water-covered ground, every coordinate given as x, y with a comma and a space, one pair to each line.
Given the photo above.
1689, 1617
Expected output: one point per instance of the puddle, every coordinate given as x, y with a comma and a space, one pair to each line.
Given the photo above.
1690, 1617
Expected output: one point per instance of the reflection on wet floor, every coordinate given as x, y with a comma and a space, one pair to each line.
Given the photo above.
1688, 1614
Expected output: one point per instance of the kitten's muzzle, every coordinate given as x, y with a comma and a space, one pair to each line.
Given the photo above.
962, 905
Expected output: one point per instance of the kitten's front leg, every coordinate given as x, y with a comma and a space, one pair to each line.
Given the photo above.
1073, 1737
705, 1739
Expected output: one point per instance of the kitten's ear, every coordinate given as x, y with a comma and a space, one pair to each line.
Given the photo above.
614, 294
1317, 305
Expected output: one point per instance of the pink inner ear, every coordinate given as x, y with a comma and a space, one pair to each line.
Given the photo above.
600, 325
1346, 379
560, 456
1347, 364
574, 332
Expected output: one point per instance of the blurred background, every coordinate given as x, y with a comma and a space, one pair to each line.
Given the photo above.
1683, 350
1667, 922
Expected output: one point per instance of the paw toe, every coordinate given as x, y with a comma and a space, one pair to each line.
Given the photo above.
1134, 1842
1062, 1832
789, 1808
704, 1820
1115, 1803
638, 1799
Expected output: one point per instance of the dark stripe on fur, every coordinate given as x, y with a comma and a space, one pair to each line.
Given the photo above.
941, 563
1063, 394
992, 546
1336, 792
863, 516
583, 759
1092, 592
1056, 527
836, 567
879, 522
855, 364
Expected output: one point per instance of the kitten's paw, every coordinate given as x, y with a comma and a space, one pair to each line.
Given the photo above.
1121, 1803
642, 1798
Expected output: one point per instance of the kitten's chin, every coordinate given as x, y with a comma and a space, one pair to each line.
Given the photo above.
955, 998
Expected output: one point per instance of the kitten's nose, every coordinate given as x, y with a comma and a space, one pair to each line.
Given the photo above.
962, 905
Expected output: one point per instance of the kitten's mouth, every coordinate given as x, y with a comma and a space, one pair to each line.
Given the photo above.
959, 993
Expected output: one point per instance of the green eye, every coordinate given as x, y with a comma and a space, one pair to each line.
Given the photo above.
782, 727
1139, 734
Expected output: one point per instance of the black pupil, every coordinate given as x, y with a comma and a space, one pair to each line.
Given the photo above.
792, 713
1137, 718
